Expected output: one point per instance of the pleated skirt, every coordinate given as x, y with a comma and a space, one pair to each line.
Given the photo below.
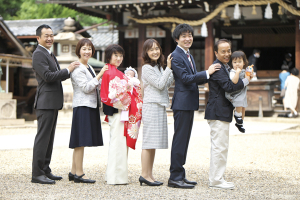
86, 128
155, 126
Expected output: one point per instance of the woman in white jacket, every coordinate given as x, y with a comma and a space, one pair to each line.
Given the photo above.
86, 123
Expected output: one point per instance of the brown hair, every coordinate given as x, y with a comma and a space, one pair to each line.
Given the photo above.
146, 59
83, 42
111, 49
239, 54
216, 47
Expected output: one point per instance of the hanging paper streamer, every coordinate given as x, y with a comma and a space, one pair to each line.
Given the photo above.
280, 10
254, 10
236, 13
204, 32
268, 12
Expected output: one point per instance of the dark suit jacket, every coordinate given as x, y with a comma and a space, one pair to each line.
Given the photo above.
186, 94
218, 107
49, 93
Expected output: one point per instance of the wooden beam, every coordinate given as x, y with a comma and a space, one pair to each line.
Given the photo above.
209, 46
141, 40
108, 3
297, 43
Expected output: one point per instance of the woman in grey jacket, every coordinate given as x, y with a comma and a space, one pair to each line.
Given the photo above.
156, 80
86, 123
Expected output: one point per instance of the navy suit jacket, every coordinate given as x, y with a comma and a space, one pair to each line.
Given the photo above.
49, 93
186, 92
218, 107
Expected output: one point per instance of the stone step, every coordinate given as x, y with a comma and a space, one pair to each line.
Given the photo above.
12, 122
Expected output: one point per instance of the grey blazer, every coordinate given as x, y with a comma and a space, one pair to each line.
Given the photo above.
49, 93
85, 87
156, 82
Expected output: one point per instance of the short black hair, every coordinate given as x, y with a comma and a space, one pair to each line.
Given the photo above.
39, 29
180, 29
295, 71
288, 55
256, 51
111, 49
216, 47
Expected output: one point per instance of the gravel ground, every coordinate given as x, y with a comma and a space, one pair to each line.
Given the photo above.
262, 166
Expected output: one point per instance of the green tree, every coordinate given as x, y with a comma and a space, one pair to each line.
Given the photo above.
29, 9
9, 8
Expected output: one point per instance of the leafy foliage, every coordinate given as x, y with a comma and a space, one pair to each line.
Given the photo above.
29, 9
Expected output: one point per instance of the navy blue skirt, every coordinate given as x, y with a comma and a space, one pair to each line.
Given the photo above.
86, 128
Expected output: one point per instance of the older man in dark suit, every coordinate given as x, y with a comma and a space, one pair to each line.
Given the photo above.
184, 103
218, 113
48, 100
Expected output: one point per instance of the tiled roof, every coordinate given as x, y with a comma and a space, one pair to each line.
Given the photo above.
28, 27
103, 36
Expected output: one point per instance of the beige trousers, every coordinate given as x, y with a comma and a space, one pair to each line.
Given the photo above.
117, 167
219, 135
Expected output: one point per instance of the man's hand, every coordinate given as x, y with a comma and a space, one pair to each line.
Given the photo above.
73, 65
213, 68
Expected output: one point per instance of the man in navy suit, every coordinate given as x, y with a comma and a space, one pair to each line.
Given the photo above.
218, 113
185, 101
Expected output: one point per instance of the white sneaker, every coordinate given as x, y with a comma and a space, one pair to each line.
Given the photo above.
229, 183
224, 185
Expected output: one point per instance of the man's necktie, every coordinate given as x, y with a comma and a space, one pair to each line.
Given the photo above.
188, 55
54, 60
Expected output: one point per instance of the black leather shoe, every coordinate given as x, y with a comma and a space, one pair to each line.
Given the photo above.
71, 176
79, 179
42, 179
160, 183
53, 177
240, 127
179, 184
142, 180
190, 182
239, 120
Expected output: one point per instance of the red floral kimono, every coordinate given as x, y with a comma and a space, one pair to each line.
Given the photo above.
118, 92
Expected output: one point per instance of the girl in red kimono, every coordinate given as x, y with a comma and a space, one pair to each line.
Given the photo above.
119, 97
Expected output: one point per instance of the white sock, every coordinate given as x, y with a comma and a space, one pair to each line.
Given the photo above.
238, 114
295, 112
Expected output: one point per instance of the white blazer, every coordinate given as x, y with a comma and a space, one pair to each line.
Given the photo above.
85, 87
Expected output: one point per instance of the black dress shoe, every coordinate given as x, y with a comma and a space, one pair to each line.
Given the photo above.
240, 127
142, 180
179, 184
160, 183
71, 176
53, 177
239, 120
79, 179
190, 182
42, 179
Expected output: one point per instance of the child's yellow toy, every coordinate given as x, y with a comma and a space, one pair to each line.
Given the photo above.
249, 70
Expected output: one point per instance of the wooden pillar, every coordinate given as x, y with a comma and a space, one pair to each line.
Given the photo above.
297, 44
168, 45
209, 46
7, 76
141, 40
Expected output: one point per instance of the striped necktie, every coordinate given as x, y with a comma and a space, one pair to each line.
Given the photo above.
188, 55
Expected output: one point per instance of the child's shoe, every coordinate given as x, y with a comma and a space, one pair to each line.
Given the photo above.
239, 120
240, 127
